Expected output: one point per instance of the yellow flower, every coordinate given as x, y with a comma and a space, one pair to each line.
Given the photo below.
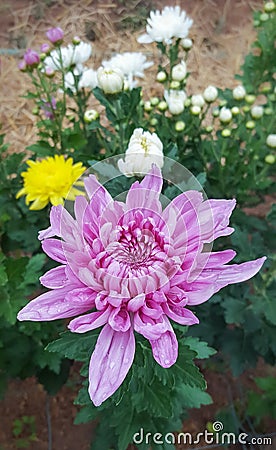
51, 180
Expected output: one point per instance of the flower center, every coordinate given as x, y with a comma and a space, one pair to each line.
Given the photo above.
144, 144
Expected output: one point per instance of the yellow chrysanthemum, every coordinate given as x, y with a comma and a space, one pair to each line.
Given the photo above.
51, 181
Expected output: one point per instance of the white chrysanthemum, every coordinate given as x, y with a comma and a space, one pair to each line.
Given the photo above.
132, 64
65, 57
88, 79
257, 111
111, 81
163, 26
144, 149
175, 101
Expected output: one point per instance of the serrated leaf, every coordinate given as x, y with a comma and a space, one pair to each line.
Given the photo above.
74, 346
200, 347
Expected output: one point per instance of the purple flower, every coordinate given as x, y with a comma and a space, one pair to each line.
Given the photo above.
55, 35
22, 65
48, 108
133, 267
31, 57
45, 48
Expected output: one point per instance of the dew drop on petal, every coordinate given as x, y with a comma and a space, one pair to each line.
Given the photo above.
112, 364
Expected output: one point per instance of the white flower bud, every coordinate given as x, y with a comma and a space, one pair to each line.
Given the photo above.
269, 7
195, 110
210, 94
90, 115
187, 44
161, 76
250, 124
225, 115
198, 100
111, 81
239, 93
175, 101
179, 71
257, 112
271, 140
144, 149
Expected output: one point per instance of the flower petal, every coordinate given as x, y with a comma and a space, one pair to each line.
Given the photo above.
110, 362
57, 304
165, 349
89, 322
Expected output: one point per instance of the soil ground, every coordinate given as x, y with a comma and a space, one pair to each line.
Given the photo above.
222, 35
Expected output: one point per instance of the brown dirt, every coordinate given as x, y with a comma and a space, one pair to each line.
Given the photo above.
222, 36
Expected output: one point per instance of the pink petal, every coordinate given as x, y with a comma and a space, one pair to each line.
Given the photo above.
89, 322
119, 319
180, 315
99, 197
146, 194
56, 304
54, 278
150, 328
54, 249
214, 218
236, 273
165, 349
110, 363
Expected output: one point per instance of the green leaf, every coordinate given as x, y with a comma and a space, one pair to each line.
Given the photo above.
200, 347
74, 346
193, 397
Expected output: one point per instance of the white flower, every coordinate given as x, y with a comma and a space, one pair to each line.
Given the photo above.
187, 43
144, 149
88, 79
239, 93
175, 101
179, 71
257, 112
163, 26
210, 94
110, 81
198, 100
271, 140
65, 57
69, 82
132, 64
225, 115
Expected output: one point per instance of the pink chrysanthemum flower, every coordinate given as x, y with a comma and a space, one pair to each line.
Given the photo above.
133, 267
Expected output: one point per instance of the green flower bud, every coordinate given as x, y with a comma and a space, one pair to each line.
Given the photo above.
266, 88
250, 124
35, 111
256, 23
162, 106
246, 108
154, 101
249, 98
180, 125
215, 112
174, 85
226, 132
270, 159
209, 129
271, 97
264, 17
235, 110
154, 121
268, 111
147, 106
187, 102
